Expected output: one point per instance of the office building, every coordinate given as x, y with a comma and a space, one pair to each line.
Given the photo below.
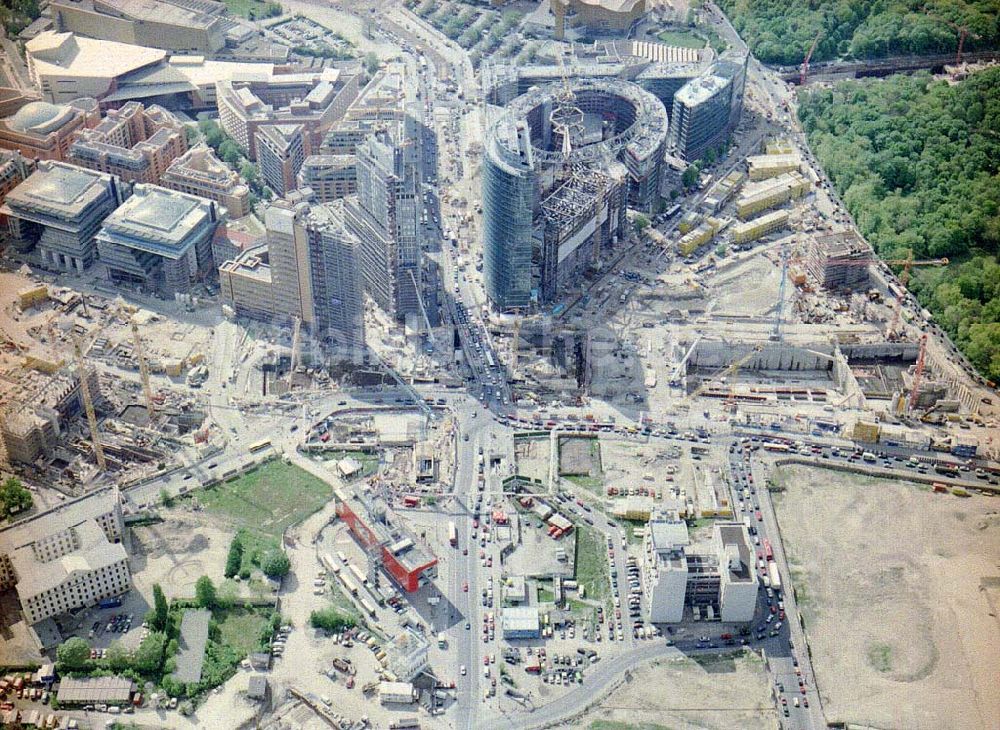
159, 239
280, 153
383, 214
839, 261
707, 109
308, 268
135, 143
596, 17
66, 558
59, 209
336, 277
199, 172
720, 579
43, 131
737, 573
66, 66
179, 26
315, 101
581, 219
542, 139
665, 570
330, 177
14, 170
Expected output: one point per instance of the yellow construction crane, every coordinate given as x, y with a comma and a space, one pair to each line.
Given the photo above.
725, 372
514, 346
143, 368
88, 405
296, 335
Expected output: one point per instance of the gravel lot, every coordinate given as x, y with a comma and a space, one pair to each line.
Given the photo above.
685, 695
898, 587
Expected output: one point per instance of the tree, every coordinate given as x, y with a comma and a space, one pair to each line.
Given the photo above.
160, 609
230, 153
118, 657
149, 656
248, 171
235, 558
689, 177
330, 619
276, 564
371, 63
204, 591
14, 497
165, 499
74, 653
640, 223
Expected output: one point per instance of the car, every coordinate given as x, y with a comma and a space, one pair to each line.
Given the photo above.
462, 670
465, 587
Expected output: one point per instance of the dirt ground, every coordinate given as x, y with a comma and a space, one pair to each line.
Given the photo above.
533, 458
176, 553
685, 695
899, 588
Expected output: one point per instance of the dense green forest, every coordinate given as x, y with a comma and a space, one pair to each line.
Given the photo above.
781, 31
916, 162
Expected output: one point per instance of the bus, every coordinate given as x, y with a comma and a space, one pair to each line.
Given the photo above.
349, 584
362, 579
948, 470
452, 534
772, 573
672, 211
774, 446
368, 606
489, 359
259, 445
768, 552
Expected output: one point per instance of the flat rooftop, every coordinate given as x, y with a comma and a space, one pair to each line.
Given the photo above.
58, 189
735, 534
157, 220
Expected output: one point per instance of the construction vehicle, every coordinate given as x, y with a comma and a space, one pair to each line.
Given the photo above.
804, 73
724, 373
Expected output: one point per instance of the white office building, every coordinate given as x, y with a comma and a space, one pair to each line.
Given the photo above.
665, 570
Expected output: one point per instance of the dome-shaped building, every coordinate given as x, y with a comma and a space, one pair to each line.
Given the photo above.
44, 131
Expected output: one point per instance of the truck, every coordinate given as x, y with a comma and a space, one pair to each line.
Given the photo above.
442, 640
114, 602
869, 457
772, 573
404, 723
344, 666
452, 534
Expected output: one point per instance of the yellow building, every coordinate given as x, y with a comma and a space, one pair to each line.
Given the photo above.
769, 193
759, 227
701, 235
763, 167
29, 296
782, 146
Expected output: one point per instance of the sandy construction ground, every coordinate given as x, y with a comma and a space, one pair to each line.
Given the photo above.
899, 588
681, 694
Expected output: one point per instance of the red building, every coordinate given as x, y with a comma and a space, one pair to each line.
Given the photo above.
408, 563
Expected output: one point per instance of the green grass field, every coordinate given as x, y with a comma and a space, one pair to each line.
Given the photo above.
268, 499
242, 8
592, 570
241, 629
682, 39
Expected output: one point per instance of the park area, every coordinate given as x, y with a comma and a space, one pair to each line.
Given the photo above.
898, 587
266, 500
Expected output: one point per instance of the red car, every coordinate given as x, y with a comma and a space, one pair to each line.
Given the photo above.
759, 516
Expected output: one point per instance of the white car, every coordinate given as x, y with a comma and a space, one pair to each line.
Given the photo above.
462, 670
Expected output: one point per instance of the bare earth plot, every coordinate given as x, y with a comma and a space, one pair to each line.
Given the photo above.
718, 694
899, 589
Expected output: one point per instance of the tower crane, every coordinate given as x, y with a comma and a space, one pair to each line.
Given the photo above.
963, 33
514, 346
918, 373
804, 74
88, 405
143, 368
296, 344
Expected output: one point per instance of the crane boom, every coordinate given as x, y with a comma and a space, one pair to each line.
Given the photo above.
918, 373
805, 62
296, 335
725, 372
143, 368
88, 405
